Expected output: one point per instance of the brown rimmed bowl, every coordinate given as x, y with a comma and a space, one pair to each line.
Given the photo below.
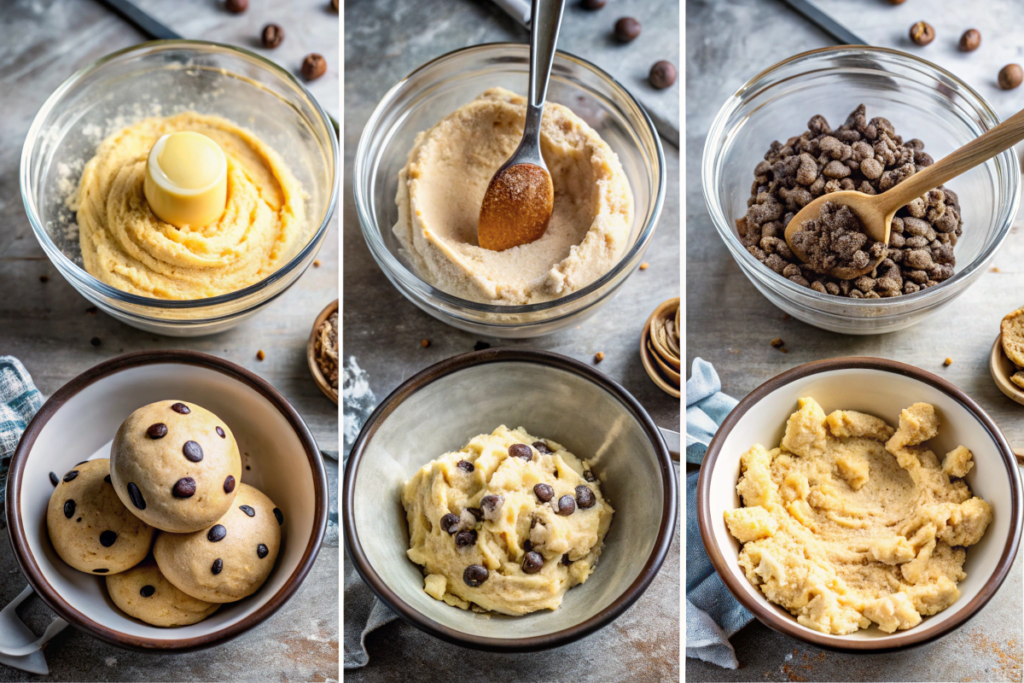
440, 410
883, 388
314, 367
78, 423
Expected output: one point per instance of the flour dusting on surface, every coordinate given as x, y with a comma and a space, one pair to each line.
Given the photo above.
358, 400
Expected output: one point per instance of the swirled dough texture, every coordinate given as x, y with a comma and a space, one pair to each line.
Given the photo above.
570, 545
442, 186
126, 246
849, 522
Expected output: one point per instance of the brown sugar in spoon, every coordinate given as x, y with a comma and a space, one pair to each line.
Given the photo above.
520, 197
876, 212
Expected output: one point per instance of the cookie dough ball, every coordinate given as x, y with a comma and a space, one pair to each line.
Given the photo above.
1012, 328
229, 560
143, 592
176, 466
90, 527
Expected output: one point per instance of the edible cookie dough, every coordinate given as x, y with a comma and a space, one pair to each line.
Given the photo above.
126, 246
849, 522
175, 465
503, 525
229, 560
143, 592
442, 187
89, 526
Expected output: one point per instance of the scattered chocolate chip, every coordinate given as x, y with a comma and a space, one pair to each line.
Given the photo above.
313, 66
181, 408
465, 538
100, 571
69, 508
273, 35
229, 484
260, 355
157, 431
533, 562
218, 566
476, 512
589, 475
236, 6
480, 346
221, 434
970, 40
70, 475
1010, 76
262, 551
520, 450
599, 356
528, 544
107, 538
136, 496
491, 505
585, 497
192, 451
566, 506
922, 33
627, 29
474, 575
147, 591
107, 479
53, 479
465, 465
450, 523
95, 341
544, 492
217, 533
565, 560
663, 75
594, 4
279, 515
542, 448
247, 510
184, 488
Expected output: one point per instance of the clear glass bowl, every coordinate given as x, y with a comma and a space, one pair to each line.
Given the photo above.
159, 79
440, 87
923, 101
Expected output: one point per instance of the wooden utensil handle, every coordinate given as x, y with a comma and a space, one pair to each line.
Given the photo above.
993, 142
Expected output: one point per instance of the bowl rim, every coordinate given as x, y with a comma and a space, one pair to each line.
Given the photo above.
18, 536
97, 285
767, 613
464, 361
393, 267
717, 130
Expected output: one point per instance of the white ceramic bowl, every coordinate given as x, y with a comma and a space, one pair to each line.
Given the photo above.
883, 388
79, 422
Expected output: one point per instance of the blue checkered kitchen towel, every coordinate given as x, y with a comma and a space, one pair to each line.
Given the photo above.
19, 401
712, 614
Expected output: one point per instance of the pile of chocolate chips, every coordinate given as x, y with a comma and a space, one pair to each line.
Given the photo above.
867, 156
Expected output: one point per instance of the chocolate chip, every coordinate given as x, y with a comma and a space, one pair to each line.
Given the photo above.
533, 562
184, 488
922, 33
465, 538
542, 448
100, 571
78, 520
544, 492
476, 512
95, 341
970, 40
247, 510
313, 66
147, 591
181, 408
662, 75
221, 434
107, 538
627, 29
474, 575
272, 36
279, 515
77, 463
218, 565
565, 560
520, 450
136, 496
585, 497
192, 451
107, 479
566, 506
229, 484
53, 479
450, 523
69, 508
236, 6
528, 544
157, 431
217, 533
262, 551
491, 505
70, 475
465, 465
589, 475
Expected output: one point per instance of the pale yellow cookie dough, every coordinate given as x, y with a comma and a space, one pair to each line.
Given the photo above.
126, 246
1012, 337
502, 535
849, 522
229, 560
442, 186
155, 474
143, 592
89, 526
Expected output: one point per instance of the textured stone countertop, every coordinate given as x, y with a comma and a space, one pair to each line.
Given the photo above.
47, 327
727, 43
385, 40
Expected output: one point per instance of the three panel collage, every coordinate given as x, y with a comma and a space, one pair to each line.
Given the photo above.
346, 340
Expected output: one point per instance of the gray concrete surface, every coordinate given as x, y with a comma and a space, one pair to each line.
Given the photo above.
730, 324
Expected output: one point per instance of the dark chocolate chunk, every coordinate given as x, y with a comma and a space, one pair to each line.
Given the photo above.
136, 496
542, 447
221, 434
520, 450
465, 538
465, 465
218, 565
70, 475
475, 575
184, 488
279, 515
217, 533
247, 510
533, 562
181, 408
229, 484
147, 591
69, 508
54, 479
450, 523
566, 506
192, 451
107, 538
544, 492
262, 551
100, 571
157, 431
585, 497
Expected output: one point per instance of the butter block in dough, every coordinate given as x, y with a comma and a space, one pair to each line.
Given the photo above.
143, 592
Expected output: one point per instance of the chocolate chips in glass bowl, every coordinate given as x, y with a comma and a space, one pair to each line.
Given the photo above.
863, 155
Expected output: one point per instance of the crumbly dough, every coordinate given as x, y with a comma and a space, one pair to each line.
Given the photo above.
90, 527
143, 592
161, 466
126, 246
850, 522
442, 186
502, 535
1012, 329
237, 564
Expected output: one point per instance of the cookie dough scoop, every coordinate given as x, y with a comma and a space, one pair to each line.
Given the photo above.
520, 197
176, 466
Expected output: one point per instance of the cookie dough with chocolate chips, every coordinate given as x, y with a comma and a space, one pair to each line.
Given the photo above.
228, 560
143, 592
175, 465
90, 527
509, 523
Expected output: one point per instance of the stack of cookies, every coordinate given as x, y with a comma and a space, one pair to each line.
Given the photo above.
174, 474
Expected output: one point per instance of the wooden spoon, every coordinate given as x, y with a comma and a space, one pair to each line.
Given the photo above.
520, 197
876, 211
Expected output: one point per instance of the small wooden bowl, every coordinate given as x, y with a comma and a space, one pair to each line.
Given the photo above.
314, 368
654, 365
1002, 368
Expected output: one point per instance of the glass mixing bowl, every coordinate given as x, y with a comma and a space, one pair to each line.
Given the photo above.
159, 79
922, 101
440, 87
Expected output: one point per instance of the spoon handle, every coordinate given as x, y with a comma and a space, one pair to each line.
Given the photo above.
981, 149
545, 21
